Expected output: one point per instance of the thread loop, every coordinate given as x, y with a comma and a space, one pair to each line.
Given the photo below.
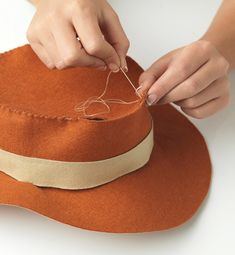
84, 105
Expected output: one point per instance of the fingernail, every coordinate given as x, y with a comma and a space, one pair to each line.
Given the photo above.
125, 68
138, 90
151, 99
102, 68
139, 87
114, 67
50, 66
60, 65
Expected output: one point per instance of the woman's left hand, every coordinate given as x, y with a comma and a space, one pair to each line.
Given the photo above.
194, 77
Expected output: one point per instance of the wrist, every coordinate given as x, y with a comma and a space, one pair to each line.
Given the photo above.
220, 47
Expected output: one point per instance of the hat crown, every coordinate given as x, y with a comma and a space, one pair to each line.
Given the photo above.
38, 117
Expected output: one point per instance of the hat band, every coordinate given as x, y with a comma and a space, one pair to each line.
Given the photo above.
75, 175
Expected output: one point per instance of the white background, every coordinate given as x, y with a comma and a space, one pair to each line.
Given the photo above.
154, 28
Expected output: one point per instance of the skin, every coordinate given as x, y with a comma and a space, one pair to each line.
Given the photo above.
194, 77
56, 25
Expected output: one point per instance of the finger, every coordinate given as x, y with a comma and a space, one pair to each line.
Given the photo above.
70, 48
197, 82
148, 77
42, 54
48, 42
116, 36
188, 62
92, 39
217, 89
208, 109
38, 48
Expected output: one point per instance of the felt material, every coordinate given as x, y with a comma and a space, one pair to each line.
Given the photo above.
37, 119
75, 175
36, 102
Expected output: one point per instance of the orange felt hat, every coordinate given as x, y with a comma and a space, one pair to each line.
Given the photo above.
129, 169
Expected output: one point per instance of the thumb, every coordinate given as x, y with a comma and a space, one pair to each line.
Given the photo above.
148, 77
116, 36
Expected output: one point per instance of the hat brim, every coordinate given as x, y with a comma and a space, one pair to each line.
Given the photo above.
163, 194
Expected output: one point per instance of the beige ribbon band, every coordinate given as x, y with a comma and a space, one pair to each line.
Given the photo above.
75, 175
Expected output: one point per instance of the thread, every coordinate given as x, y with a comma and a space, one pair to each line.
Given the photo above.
84, 105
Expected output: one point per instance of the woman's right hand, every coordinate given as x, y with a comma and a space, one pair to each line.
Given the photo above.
55, 28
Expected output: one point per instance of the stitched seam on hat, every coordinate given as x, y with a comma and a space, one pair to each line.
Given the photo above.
59, 118
65, 118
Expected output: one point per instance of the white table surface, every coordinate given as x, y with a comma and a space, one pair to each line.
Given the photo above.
154, 27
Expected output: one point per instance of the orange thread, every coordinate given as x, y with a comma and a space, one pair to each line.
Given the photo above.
84, 105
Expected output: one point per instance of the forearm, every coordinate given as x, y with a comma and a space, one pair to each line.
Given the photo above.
222, 31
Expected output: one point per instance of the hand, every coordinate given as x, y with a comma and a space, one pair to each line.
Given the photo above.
56, 25
193, 77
